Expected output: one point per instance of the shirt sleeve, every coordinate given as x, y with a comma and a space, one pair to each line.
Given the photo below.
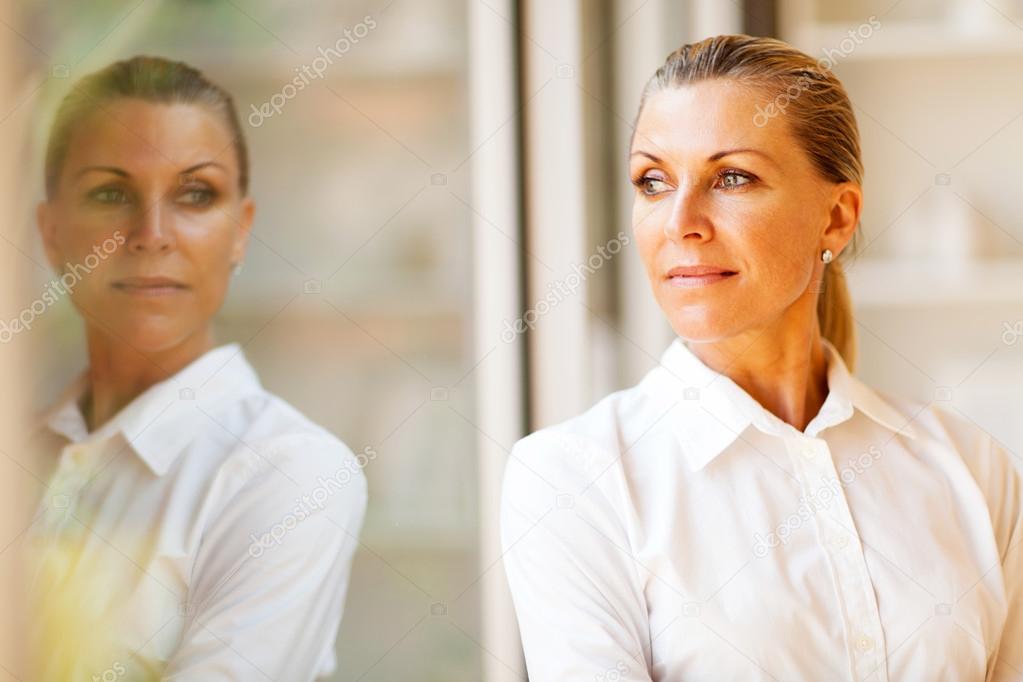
567, 555
1007, 515
270, 578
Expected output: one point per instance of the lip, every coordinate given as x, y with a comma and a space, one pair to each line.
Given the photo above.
149, 286
698, 275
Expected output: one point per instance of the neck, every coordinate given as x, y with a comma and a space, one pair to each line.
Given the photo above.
783, 367
119, 373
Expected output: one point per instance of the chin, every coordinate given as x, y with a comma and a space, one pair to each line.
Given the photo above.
148, 334
702, 325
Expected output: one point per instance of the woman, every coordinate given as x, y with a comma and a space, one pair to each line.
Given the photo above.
750, 510
195, 526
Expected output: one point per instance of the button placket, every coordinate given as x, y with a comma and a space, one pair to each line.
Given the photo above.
838, 539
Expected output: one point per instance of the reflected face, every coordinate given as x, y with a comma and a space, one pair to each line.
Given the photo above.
739, 205
149, 218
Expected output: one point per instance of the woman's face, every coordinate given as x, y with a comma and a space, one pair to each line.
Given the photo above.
149, 218
715, 189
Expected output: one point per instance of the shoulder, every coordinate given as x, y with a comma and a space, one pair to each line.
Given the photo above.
583, 458
280, 455
580, 446
948, 436
941, 426
583, 446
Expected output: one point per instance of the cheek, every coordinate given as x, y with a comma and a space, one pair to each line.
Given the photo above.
207, 245
79, 232
778, 251
89, 248
646, 228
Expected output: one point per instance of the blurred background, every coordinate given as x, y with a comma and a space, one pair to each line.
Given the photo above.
422, 280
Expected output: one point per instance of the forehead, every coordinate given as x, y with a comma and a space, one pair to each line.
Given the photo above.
135, 134
707, 117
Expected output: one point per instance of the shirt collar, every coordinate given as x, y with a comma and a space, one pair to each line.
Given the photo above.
710, 411
160, 422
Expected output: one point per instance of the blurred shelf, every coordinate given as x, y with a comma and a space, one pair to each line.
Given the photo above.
893, 283
277, 65
394, 537
387, 306
904, 40
440, 312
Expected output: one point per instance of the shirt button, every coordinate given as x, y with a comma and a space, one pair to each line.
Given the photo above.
864, 643
809, 451
839, 541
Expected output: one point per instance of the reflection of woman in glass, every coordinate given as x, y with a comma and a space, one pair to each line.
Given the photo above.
195, 526
751, 510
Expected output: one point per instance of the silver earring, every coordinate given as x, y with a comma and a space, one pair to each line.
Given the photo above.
826, 255
236, 269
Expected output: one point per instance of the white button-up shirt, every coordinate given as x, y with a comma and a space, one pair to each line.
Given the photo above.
204, 533
678, 530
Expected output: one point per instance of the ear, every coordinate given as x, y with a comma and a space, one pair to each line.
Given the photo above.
47, 226
844, 216
244, 229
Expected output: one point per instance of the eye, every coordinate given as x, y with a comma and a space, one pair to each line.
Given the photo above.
731, 179
197, 196
109, 196
651, 185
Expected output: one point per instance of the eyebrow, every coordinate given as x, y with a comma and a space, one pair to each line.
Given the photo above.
102, 169
125, 174
713, 157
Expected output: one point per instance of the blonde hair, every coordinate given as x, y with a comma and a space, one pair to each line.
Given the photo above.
151, 79
820, 117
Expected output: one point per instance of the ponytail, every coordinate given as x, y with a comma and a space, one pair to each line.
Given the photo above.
834, 312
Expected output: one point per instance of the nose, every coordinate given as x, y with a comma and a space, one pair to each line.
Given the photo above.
153, 229
688, 218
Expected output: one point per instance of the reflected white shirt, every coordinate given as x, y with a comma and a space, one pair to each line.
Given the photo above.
204, 533
678, 530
